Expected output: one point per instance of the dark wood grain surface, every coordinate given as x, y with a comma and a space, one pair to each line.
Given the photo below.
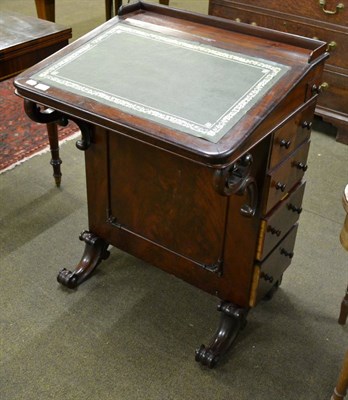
27, 40
196, 209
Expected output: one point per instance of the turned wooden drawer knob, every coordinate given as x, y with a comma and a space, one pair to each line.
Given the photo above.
267, 277
280, 186
293, 208
286, 253
285, 143
274, 231
302, 166
307, 125
318, 89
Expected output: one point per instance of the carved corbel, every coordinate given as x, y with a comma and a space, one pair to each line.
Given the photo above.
232, 321
86, 134
236, 179
43, 115
46, 116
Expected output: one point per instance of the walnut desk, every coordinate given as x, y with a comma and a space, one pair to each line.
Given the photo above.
196, 132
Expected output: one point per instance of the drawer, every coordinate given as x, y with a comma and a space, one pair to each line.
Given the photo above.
289, 136
310, 9
337, 38
335, 98
276, 225
282, 179
267, 273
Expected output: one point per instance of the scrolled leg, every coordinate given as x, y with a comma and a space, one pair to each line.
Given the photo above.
232, 320
95, 251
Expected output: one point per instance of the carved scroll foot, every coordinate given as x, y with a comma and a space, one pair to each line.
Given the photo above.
232, 320
95, 251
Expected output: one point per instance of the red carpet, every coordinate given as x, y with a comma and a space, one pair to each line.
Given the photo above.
21, 138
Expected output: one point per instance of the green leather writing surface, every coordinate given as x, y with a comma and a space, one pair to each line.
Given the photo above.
188, 86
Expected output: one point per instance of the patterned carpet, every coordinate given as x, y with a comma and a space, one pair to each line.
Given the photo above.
20, 138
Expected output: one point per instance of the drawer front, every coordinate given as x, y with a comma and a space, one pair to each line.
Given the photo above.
310, 9
154, 199
282, 179
271, 270
275, 226
335, 98
288, 137
337, 38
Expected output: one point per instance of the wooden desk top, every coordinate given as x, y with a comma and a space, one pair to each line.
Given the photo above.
181, 81
185, 85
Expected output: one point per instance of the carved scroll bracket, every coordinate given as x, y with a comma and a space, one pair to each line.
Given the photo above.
236, 179
95, 251
232, 321
47, 116
42, 115
86, 134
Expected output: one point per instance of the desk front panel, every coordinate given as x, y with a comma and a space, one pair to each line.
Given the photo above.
166, 210
157, 206
165, 199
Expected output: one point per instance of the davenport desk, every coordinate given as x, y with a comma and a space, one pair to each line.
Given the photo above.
196, 133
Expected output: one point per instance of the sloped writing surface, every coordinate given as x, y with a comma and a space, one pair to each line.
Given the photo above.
185, 85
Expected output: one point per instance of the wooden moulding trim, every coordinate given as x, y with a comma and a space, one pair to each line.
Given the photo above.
330, 113
254, 286
315, 47
41, 46
261, 239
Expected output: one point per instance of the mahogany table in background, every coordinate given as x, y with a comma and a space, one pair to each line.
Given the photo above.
196, 170
24, 42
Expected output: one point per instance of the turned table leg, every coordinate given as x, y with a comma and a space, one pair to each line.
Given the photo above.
342, 384
344, 241
108, 9
45, 9
118, 4
342, 319
52, 131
